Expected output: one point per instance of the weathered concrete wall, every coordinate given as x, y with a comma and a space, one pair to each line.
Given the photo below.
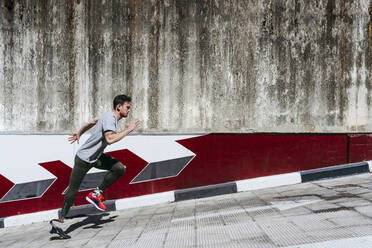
190, 65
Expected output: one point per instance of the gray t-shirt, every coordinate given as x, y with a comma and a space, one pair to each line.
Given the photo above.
93, 148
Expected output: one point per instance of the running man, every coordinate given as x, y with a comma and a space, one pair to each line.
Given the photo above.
90, 154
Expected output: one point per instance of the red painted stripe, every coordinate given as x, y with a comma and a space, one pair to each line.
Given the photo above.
224, 158
360, 148
6, 185
134, 165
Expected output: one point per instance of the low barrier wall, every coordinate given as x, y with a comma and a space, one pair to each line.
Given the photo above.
35, 169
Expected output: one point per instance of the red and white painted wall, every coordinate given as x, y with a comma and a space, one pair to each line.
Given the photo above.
35, 169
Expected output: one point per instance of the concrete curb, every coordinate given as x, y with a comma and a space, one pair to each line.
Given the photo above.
198, 192
205, 191
335, 171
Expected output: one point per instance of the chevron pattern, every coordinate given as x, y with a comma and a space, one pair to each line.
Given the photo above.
196, 161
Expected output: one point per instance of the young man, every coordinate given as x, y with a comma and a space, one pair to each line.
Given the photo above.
90, 154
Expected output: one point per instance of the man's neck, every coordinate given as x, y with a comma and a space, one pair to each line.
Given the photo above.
117, 114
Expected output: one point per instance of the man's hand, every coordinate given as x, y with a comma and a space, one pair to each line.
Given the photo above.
132, 125
73, 137
112, 137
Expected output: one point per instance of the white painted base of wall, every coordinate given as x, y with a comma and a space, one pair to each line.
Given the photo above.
268, 182
370, 165
24, 219
145, 200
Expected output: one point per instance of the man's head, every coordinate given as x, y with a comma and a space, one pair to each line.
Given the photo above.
122, 105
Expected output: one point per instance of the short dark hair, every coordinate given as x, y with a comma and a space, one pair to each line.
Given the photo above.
120, 99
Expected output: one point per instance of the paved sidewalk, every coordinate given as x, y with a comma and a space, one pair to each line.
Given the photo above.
328, 213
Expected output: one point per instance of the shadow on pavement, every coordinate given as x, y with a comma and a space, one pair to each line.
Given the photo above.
93, 221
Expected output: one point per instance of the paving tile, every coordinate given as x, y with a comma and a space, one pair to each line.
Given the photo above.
365, 210
247, 219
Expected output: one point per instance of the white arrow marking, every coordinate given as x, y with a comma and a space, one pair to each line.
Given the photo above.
154, 148
22, 153
285, 205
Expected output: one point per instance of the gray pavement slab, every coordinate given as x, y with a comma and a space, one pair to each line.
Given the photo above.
327, 213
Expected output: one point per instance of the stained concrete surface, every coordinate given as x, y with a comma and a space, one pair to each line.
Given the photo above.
327, 213
190, 65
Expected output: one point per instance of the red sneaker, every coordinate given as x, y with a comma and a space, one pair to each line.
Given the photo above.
96, 200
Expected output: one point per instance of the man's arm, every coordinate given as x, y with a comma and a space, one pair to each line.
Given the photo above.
87, 126
112, 137
75, 136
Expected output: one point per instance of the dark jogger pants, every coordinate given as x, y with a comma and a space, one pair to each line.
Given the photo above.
105, 162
